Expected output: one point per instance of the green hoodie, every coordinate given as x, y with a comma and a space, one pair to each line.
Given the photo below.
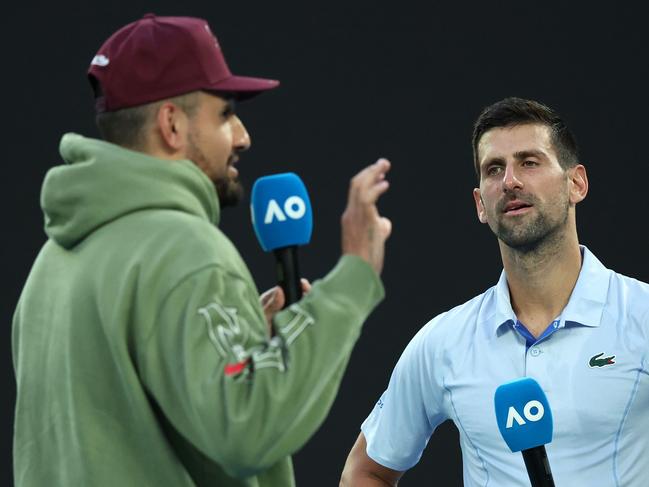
141, 351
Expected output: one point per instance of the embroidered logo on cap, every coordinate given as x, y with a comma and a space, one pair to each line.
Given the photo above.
99, 60
209, 31
596, 361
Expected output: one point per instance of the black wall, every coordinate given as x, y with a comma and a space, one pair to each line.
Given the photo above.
359, 81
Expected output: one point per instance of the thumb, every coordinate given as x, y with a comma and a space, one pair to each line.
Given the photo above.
272, 301
386, 227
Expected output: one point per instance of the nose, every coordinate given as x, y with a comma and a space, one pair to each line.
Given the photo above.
510, 179
240, 137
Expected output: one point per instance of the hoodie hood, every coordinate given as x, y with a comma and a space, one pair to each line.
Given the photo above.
101, 182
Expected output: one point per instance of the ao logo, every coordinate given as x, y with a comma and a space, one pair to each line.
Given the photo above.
513, 415
294, 208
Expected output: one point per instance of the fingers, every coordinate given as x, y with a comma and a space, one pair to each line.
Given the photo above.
364, 230
306, 286
375, 171
272, 301
372, 174
370, 183
373, 192
267, 296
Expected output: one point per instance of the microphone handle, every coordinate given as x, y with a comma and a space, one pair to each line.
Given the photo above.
288, 274
538, 467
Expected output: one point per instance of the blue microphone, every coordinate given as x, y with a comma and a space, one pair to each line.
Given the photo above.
525, 423
282, 219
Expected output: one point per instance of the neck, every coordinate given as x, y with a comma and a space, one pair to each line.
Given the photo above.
541, 280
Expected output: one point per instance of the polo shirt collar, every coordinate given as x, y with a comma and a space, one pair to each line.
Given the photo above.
586, 304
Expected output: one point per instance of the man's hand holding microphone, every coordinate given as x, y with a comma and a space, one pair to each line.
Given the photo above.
364, 230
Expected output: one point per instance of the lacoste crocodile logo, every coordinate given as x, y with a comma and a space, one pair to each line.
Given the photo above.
596, 361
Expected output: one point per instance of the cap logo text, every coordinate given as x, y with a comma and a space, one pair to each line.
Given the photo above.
100, 60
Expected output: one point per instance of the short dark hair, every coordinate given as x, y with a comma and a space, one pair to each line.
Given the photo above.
126, 127
518, 111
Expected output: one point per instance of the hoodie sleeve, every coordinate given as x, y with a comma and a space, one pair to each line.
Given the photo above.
243, 399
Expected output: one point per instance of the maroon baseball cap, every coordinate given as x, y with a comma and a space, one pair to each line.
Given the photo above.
161, 57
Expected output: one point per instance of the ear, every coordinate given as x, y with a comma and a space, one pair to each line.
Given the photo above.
578, 184
172, 124
479, 206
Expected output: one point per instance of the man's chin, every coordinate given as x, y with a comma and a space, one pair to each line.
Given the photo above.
522, 245
230, 193
525, 240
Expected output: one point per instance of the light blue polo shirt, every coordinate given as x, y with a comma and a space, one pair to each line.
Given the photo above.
592, 364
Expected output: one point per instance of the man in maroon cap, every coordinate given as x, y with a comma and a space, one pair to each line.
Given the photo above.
142, 352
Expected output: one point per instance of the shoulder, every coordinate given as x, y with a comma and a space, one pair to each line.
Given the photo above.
624, 297
428, 355
629, 296
182, 226
630, 284
457, 324
187, 236
169, 245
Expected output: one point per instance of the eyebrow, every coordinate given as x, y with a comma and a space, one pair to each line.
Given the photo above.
520, 155
230, 105
529, 153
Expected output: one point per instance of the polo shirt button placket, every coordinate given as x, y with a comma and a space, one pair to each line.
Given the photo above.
535, 351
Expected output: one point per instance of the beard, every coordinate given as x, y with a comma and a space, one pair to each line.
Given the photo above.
528, 233
228, 190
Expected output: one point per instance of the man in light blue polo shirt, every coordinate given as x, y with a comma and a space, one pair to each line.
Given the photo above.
556, 314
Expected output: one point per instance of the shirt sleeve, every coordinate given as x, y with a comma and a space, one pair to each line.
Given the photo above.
402, 421
242, 399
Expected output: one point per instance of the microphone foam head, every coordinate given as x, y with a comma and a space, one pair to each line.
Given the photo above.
523, 414
281, 211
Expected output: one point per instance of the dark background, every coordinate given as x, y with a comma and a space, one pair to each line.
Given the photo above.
359, 81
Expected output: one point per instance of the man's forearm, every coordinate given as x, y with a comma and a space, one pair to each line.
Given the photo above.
364, 479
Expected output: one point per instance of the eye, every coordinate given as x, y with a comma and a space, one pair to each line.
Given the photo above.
530, 163
493, 170
228, 110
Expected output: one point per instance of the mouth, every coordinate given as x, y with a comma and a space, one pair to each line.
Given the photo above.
516, 207
230, 165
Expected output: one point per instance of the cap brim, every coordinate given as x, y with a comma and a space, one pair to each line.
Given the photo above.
244, 87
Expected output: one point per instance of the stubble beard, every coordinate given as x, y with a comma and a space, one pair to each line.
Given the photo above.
228, 190
541, 231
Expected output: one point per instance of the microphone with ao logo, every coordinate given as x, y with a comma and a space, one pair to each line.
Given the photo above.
282, 219
525, 423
